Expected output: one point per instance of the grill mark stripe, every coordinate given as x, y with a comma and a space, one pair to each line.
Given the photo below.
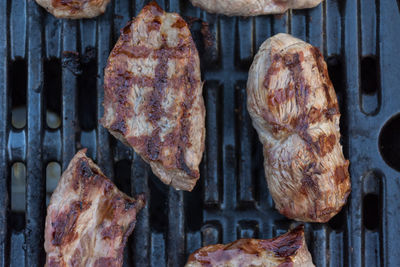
154, 106
71, 5
300, 124
184, 121
333, 106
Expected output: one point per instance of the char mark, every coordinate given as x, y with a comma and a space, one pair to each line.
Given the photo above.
84, 169
119, 125
155, 110
341, 173
64, 224
73, 5
287, 244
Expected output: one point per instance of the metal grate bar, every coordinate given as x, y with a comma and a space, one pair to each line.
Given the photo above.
368, 27
316, 33
211, 157
173, 6
122, 14
246, 40
35, 188
53, 30
333, 28
141, 248
104, 157
299, 24
352, 75
280, 24
17, 29
228, 138
319, 246
176, 229
246, 186
139, 4
336, 247
87, 30
263, 30
4, 119
69, 91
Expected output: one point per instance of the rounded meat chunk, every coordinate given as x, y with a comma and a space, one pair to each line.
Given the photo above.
74, 9
153, 98
294, 109
253, 7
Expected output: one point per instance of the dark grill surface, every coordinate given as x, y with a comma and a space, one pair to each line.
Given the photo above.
61, 93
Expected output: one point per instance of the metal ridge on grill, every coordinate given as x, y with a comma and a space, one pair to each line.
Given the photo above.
51, 94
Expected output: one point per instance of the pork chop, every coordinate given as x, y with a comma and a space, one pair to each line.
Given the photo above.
74, 9
153, 95
88, 219
294, 109
253, 7
289, 249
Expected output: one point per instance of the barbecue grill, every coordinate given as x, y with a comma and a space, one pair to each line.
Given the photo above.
51, 93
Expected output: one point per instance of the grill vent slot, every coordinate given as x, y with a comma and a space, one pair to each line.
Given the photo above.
371, 211
370, 89
122, 176
17, 78
52, 92
53, 174
18, 181
87, 92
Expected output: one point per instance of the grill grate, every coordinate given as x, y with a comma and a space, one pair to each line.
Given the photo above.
359, 40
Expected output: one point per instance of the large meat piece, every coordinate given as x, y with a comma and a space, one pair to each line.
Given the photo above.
289, 249
253, 7
294, 109
153, 95
88, 219
74, 9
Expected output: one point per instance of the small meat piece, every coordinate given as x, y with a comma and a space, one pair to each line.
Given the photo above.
74, 9
294, 109
253, 7
88, 219
289, 249
153, 95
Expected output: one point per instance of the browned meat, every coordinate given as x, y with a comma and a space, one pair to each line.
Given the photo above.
88, 219
253, 7
295, 111
286, 250
74, 9
153, 95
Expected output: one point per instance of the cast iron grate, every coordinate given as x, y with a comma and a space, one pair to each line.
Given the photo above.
51, 74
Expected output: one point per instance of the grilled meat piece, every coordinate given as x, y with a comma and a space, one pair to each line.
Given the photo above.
74, 9
153, 95
289, 249
294, 109
253, 7
88, 219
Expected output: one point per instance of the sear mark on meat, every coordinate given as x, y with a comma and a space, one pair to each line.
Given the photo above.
289, 249
294, 109
74, 9
153, 95
253, 7
88, 219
